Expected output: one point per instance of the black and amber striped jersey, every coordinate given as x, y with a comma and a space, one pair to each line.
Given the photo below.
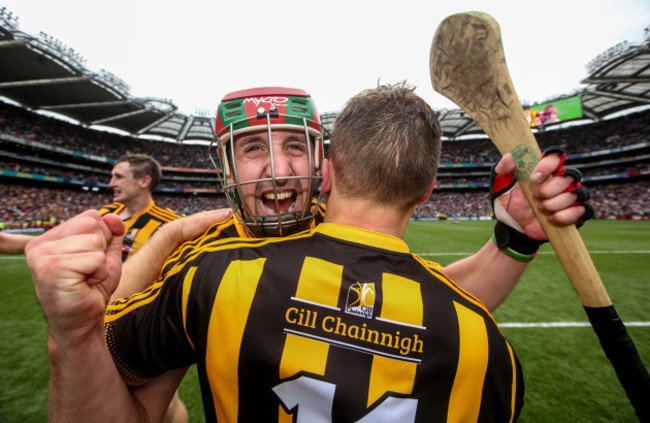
229, 228
141, 225
331, 324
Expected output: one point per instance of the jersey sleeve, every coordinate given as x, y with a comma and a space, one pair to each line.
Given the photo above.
146, 333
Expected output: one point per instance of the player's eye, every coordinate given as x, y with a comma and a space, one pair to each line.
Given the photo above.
297, 148
252, 149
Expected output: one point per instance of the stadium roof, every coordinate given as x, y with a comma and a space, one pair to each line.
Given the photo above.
618, 81
42, 74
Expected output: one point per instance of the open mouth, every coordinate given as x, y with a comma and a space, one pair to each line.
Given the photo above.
286, 200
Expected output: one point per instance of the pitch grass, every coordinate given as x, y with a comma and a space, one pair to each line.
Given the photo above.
568, 378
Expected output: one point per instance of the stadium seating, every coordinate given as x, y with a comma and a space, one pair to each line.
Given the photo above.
51, 170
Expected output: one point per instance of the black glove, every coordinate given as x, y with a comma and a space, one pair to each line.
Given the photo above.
576, 187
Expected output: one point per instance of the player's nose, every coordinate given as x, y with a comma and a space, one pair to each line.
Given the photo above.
280, 164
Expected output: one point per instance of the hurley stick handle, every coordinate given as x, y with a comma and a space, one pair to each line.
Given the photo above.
468, 66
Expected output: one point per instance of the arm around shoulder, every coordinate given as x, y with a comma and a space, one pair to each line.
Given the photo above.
143, 268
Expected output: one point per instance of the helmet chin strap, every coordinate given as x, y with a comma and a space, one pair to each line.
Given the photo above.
288, 224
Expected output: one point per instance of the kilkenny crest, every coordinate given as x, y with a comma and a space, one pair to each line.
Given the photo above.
361, 299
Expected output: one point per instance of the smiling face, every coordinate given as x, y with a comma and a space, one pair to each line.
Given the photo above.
267, 168
256, 172
124, 184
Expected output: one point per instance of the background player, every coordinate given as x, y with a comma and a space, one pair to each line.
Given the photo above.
134, 178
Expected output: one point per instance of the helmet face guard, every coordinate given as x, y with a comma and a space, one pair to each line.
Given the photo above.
268, 109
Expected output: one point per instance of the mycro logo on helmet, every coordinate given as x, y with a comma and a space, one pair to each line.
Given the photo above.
361, 299
271, 101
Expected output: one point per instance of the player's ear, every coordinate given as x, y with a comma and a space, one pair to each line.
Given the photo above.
326, 184
146, 181
428, 193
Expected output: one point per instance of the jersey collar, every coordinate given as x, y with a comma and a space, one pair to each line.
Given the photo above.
363, 236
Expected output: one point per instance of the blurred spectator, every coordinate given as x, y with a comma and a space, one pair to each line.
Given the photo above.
455, 204
40, 206
24, 206
630, 200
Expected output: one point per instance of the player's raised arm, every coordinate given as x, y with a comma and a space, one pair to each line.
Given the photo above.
75, 268
491, 273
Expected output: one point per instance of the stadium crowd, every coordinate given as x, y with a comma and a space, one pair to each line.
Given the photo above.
455, 204
35, 206
25, 205
620, 132
629, 200
24, 124
79, 176
42, 207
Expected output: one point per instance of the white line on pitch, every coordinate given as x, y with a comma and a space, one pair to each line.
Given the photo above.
562, 324
542, 253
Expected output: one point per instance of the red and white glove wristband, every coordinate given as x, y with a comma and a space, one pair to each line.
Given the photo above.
508, 235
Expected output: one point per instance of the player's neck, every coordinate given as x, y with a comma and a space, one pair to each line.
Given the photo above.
135, 205
365, 214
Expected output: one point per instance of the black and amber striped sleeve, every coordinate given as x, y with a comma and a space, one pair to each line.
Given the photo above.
140, 328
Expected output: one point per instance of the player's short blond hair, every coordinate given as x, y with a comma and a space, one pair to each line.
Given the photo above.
385, 146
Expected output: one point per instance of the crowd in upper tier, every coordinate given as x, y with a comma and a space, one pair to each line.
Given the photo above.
28, 204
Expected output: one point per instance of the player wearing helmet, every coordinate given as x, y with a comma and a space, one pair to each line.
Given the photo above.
271, 197
268, 148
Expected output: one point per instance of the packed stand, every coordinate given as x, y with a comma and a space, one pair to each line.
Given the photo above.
629, 200
39, 206
23, 205
22, 123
